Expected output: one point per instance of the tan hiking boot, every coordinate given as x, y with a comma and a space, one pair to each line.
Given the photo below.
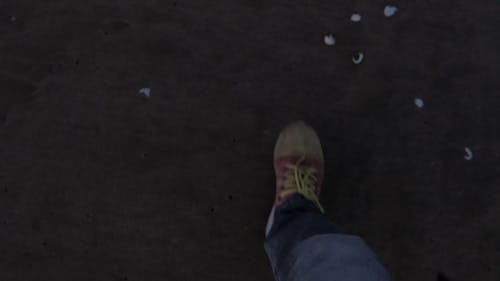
298, 163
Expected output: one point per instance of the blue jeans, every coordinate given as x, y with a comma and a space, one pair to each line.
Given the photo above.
302, 244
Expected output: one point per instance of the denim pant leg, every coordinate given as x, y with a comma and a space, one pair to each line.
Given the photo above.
294, 221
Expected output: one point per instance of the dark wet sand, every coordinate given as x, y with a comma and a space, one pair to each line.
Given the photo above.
98, 183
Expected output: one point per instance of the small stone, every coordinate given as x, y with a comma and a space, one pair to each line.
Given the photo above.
419, 102
390, 10
355, 17
468, 154
358, 57
329, 40
146, 92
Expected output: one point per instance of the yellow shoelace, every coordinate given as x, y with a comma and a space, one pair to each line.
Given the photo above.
302, 180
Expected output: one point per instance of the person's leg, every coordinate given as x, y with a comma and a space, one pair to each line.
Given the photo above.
290, 223
302, 243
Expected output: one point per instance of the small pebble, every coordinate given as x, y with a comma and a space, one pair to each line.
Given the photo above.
390, 10
355, 17
358, 57
146, 92
468, 154
329, 40
419, 102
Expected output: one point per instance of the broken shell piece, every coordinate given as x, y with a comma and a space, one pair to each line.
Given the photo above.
358, 57
390, 10
419, 102
468, 154
329, 40
146, 92
355, 17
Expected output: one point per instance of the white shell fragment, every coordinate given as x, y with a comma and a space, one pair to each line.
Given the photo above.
468, 154
329, 40
355, 17
358, 57
146, 92
419, 102
390, 10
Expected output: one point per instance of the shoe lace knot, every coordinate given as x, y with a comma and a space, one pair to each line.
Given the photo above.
301, 179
